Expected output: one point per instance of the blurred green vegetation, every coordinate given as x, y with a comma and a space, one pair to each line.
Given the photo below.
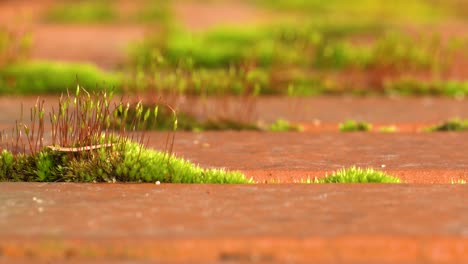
84, 11
358, 175
370, 11
413, 86
312, 47
282, 125
189, 122
291, 60
152, 11
130, 162
44, 77
87, 147
106, 11
13, 46
306, 50
354, 126
455, 124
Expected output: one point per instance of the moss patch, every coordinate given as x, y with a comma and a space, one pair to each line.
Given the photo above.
37, 77
81, 12
282, 125
358, 175
455, 124
354, 126
88, 146
129, 162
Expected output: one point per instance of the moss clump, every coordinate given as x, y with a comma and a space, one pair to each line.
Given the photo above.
282, 125
53, 77
127, 162
455, 124
87, 145
358, 175
354, 126
149, 166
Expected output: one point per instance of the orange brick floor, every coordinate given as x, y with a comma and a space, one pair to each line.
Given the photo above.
59, 222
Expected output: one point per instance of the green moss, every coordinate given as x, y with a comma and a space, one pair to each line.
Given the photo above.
152, 11
7, 161
340, 54
151, 166
458, 89
53, 77
369, 11
282, 125
455, 124
87, 145
412, 86
354, 126
187, 122
388, 129
125, 163
163, 119
226, 124
14, 46
290, 59
220, 48
358, 175
105, 11
409, 86
84, 11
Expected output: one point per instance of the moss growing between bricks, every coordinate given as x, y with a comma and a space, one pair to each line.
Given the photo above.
282, 125
189, 122
89, 146
354, 126
358, 175
129, 162
353, 175
454, 124
36, 77
150, 166
96, 11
